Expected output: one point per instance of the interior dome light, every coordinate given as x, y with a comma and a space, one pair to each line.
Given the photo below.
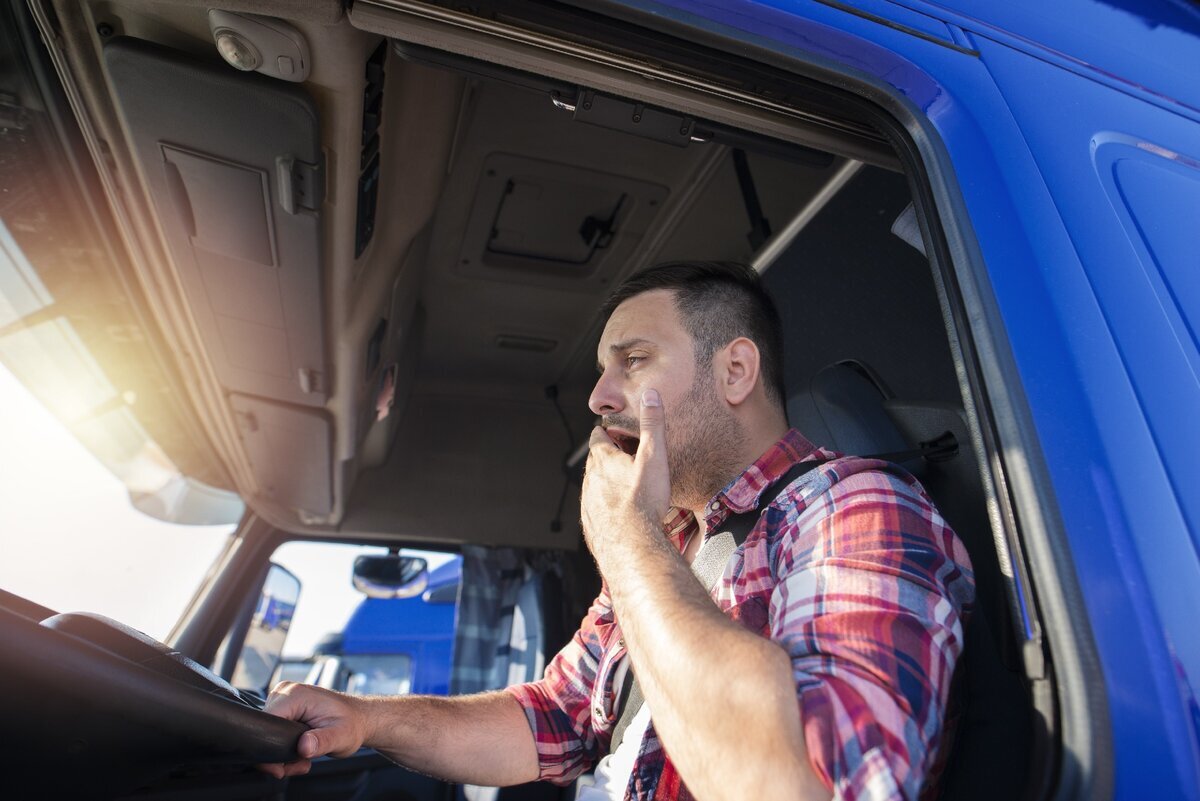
251, 42
237, 51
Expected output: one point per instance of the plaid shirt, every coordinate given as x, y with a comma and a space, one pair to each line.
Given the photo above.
856, 575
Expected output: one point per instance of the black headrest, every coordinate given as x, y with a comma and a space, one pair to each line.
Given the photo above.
843, 408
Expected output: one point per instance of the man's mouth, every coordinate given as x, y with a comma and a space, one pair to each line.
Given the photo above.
626, 442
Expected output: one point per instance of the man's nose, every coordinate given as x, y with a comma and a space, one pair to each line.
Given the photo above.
606, 397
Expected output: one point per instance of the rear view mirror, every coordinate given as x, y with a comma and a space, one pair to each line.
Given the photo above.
391, 576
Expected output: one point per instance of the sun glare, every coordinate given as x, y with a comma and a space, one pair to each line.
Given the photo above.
69, 537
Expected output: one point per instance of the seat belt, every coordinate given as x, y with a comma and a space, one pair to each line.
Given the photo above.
708, 566
939, 449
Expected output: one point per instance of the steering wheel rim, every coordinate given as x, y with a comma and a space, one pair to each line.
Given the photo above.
98, 721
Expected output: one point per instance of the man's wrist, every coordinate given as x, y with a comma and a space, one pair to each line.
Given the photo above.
643, 568
371, 716
629, 546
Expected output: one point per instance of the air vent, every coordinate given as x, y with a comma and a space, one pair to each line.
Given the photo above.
525, 343
368, 162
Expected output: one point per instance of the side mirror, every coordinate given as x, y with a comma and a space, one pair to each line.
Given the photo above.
391, 576
266, 629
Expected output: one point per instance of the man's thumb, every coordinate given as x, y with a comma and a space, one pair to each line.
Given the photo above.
309, 745
652, 435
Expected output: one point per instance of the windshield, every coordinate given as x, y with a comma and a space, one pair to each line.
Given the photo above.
98, 440
328, 597
70, 537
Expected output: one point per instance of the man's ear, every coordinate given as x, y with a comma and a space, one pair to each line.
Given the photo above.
740, 370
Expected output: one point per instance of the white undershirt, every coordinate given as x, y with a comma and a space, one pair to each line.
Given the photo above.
613, 771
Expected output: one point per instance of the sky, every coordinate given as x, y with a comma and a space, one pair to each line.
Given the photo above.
71, 540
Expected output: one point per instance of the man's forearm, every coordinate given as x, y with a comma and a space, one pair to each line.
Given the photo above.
722, 698
473, 739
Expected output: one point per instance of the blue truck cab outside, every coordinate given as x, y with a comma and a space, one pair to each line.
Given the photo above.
395, 646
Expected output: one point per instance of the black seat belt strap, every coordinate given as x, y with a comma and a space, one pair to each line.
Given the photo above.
938, 449
708, 566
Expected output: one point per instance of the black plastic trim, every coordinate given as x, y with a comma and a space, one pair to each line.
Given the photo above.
858, 12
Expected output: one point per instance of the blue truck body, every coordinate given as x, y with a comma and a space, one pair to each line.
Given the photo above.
407, 643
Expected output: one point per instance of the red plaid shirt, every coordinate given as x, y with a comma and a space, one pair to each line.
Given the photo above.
855, 574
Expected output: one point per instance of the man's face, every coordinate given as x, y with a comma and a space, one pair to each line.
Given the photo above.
646, 346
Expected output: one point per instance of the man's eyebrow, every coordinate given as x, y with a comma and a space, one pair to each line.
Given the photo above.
618, 347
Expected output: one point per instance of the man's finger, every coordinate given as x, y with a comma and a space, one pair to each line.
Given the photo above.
654, 479
282, 705
282, 771
329, 732
652, 438
326, 740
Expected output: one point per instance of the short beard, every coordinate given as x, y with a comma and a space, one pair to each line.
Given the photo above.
704, 454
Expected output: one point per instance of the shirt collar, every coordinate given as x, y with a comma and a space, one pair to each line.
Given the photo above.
743, 493
680, 523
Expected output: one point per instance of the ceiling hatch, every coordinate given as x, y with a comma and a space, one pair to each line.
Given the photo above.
546, 222
554, 221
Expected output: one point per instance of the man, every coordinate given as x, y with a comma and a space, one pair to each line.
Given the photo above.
825, 662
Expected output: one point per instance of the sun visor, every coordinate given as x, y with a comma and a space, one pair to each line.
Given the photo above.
290, 451
233, 165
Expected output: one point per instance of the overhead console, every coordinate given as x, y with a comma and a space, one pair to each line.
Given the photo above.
233, 165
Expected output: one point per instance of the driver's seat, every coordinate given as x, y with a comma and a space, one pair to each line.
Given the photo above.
846, 407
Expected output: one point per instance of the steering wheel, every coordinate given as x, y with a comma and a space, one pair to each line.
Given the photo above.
94, 708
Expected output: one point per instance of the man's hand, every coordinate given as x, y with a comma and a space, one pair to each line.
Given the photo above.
468, 739
623, 492
338, 725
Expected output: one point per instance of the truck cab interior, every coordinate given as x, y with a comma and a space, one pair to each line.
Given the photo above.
357, 284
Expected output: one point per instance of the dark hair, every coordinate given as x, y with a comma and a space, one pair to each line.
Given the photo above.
719, 301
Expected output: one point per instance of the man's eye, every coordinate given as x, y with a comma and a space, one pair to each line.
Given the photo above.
630, 361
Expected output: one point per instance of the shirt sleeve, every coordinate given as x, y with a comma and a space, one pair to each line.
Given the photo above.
558, 707
870, 603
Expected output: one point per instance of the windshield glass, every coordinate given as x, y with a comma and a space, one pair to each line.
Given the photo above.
328, 597
70, 537
98, 438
